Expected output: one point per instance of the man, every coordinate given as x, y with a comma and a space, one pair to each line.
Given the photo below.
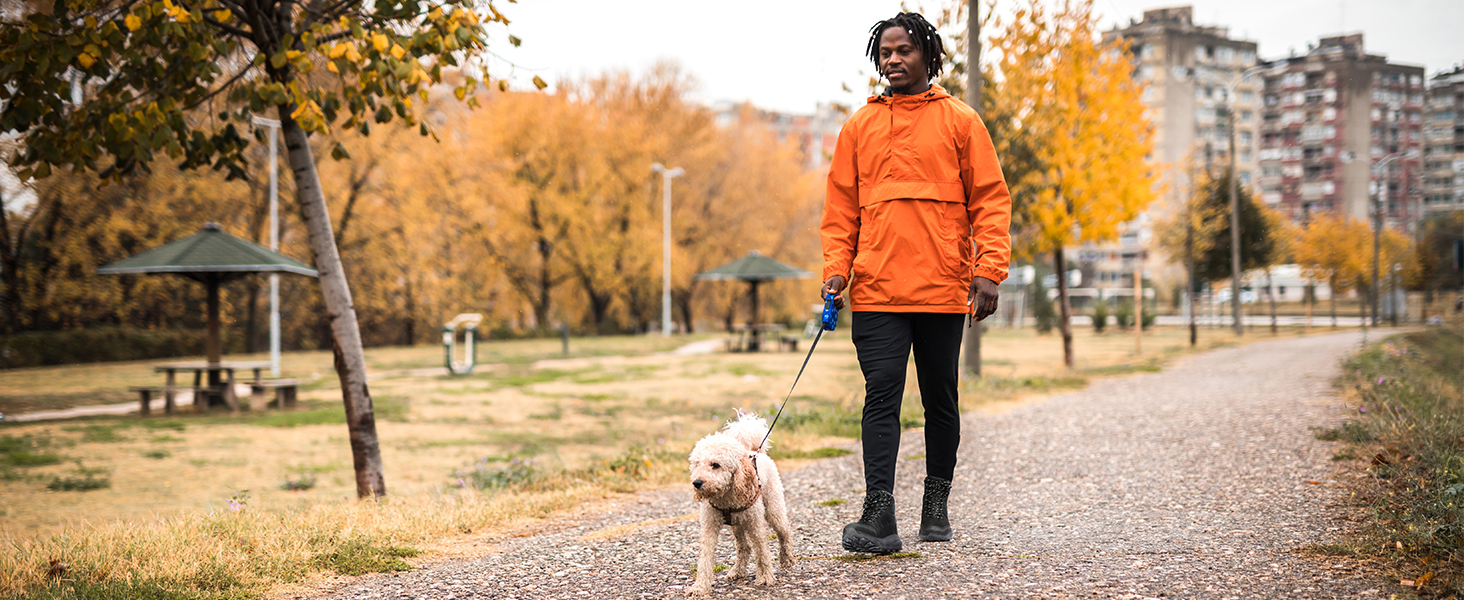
917, 211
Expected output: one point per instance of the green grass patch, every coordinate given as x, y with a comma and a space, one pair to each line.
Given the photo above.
1002, 388
81, 483
359, 557
535, 376
99, 434
31, 459
216, 586
157, 454
779, 454
1410, 420
830, 421
1350, 431
834, 502
744, 369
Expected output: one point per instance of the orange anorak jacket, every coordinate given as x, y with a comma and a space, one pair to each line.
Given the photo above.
916, 205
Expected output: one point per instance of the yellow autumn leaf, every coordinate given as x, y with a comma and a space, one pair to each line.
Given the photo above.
540, 83
435, 14
397, 51
133, 22
380, 42
293, 54
460, 92
336, 51
502, 85
331, 66
224, 15
86, 60
352, 54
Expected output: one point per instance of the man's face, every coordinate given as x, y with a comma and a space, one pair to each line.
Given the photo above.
900, 60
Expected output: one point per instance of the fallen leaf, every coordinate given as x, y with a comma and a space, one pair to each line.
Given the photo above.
1314, 482
57, 569
1406, 583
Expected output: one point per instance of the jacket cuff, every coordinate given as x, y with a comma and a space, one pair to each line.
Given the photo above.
990, 273
832, 270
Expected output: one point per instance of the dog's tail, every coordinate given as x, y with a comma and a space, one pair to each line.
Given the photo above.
750, 429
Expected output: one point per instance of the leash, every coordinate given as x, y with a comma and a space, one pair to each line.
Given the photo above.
828, 322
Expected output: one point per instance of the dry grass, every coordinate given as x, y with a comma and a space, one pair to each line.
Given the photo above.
171, 478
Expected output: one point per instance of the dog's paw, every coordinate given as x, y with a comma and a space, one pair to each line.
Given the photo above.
699, 590
734, 575
765, 581
786, 561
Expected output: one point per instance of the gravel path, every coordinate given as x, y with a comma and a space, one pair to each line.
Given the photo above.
1202, 481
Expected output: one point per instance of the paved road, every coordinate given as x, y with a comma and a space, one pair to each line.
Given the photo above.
1199, 482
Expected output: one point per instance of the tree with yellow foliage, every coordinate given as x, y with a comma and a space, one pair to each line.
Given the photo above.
1074, 107
1335, 249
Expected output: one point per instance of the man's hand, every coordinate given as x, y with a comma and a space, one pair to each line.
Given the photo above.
983, 292
835, 285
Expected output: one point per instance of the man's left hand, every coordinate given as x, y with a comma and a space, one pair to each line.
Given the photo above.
983, 292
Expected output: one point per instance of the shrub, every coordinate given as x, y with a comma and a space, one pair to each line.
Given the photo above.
1100, 316
103, 343
1042, 308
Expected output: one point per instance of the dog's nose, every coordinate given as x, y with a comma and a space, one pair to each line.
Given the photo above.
696, 484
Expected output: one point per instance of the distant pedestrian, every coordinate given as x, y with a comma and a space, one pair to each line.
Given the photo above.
917, 211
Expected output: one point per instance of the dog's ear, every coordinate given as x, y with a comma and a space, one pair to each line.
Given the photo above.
746, 477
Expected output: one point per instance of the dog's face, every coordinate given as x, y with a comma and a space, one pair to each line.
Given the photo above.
720, 465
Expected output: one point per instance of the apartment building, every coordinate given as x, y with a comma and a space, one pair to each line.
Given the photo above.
1443, 143
1189, 71
1329, 116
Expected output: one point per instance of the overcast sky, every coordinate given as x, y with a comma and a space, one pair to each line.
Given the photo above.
789, 55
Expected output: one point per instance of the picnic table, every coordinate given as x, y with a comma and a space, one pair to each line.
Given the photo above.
220, 380
749, 337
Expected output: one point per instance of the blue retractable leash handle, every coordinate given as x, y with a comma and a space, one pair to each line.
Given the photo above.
828, 322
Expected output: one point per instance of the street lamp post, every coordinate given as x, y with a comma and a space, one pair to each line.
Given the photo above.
1235, 202
666, 176
274, 241
1377, 193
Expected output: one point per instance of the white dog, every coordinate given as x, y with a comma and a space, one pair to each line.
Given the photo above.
738, 486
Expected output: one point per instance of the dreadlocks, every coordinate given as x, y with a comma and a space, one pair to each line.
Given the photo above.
920, 30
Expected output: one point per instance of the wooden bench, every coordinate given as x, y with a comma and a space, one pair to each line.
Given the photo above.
146, 392
285, 391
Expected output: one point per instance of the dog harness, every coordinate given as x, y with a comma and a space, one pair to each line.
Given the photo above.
728, 512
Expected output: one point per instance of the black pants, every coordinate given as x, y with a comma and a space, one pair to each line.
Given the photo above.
884, 341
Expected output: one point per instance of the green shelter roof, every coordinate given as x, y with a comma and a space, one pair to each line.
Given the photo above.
208, 251
755, 267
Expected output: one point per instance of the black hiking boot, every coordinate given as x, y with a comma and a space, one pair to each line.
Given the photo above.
875, 533
935, 525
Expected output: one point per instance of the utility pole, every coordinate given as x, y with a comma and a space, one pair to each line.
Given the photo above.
973, 99
666, 176
1234, 224
274, 241
1235, 203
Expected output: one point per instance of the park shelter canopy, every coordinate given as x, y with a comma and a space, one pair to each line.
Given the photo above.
210, 257
208, 254
755, 269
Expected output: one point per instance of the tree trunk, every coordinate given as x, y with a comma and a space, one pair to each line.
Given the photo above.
1271, 293
350, 357
973, 99
1064, 315
1332, 283
251, 325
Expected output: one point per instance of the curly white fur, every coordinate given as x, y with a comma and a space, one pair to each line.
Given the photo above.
723, 477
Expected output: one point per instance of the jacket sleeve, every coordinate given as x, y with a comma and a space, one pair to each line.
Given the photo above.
839, 231
988, 204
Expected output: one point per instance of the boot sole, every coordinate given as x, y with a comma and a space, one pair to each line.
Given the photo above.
867, 545
935, 537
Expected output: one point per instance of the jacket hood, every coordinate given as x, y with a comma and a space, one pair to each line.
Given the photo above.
934, 93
